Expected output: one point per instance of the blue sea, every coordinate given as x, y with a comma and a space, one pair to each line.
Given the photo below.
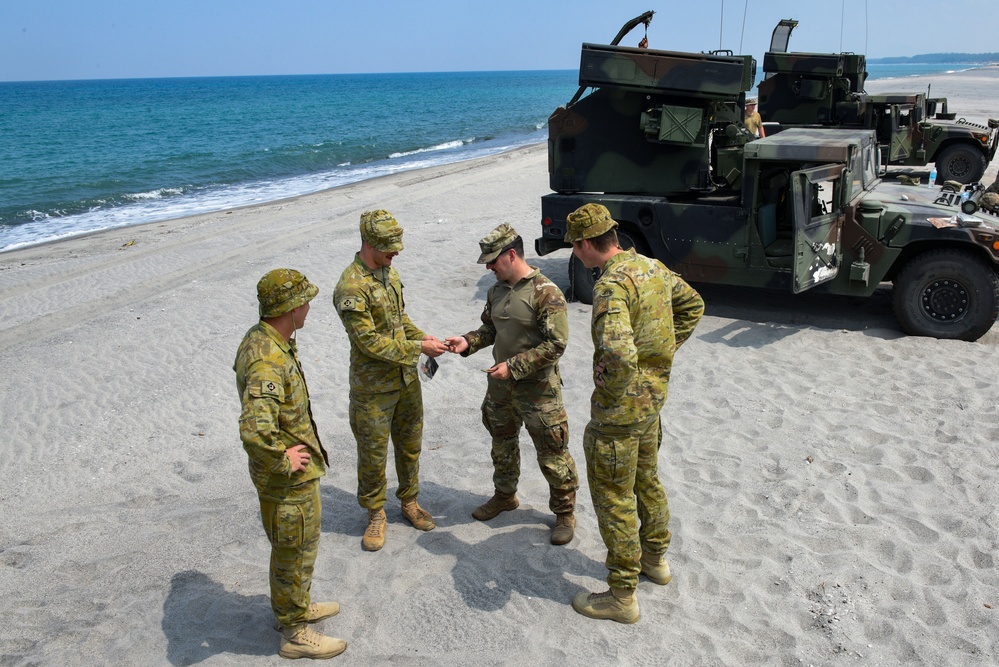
80, 156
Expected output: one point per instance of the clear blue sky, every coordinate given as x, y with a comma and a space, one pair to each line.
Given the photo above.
75, 39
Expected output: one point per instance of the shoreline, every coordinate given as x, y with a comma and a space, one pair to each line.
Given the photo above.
978, 114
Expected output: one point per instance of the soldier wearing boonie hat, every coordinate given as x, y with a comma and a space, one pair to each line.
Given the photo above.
753, 121
587, 222
525, 322
642, 312
386, 401
381, 231
286, 458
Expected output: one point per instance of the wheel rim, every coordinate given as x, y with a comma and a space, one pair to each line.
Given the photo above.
945, 300
959, 167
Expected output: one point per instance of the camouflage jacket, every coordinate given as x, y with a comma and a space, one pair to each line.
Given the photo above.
526, 324
276, 413
642, 312
384, 343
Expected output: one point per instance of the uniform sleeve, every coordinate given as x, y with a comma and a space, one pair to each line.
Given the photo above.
688, 308
259, 422
355, 313
553, 325
485, 335
614, 340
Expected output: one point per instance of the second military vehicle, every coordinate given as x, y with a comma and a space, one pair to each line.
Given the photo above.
659, 141
827, 89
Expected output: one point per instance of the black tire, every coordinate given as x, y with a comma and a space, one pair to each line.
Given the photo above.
948, 293
582, 279
960, 162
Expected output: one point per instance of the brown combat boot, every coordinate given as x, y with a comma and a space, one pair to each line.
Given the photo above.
500, 502
374, 534
656, 569
565, 527
617, 604
317, 612
305, 642
416, 515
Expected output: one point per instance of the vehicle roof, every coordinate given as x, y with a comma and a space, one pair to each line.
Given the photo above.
809, 144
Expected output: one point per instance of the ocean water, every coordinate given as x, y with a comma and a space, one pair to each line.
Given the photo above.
80, 156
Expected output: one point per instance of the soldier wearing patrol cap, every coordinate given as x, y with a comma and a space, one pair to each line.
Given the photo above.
642, 312
286, 458
752, 121
385, 396
525, 321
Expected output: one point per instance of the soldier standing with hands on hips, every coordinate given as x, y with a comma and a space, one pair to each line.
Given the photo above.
642, 313
286, 459
385, 395
525, 321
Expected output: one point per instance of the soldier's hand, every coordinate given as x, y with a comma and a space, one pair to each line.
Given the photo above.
598, 374
432, 347
500, 371
456, 344
299, 456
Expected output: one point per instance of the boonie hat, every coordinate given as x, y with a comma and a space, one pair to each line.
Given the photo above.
381, 231
751, 100
283, 290
495, 241
587, 222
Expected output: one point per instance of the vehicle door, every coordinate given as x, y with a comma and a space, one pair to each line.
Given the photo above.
901, 133
818, 204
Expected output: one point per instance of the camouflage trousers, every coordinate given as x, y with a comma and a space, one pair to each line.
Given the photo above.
537, 405
293, 531
374, 418
622, 468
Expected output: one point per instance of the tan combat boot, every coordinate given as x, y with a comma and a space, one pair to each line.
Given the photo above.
656, 569
565, 526
305, 642
317, 612
374, 534
416, 515
617, 604
500, 502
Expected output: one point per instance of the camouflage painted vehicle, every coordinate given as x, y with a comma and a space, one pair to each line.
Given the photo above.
827, 89
659, 141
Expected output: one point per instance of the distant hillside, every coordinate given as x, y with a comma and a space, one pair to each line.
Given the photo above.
966, 58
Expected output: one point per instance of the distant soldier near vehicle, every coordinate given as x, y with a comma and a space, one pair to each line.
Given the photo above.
990, 198
642, 313
385, 395
286, 458
525, 321
752, 121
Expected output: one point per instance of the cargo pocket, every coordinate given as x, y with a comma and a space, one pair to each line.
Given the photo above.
288, 527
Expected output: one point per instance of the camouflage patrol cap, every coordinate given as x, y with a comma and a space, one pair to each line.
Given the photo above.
495, 241
587, 222
381, 231
751, 100
283, 290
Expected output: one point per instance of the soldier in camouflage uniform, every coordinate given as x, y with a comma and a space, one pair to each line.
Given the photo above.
526, 323
286, 458
642, 312
385, 395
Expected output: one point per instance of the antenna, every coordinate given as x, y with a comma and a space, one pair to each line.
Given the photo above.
745, 11
842, 18
721, 22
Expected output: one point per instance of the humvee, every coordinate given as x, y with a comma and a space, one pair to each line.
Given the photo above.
659, 141
827, 89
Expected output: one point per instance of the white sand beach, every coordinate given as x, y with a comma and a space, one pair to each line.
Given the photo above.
833, 482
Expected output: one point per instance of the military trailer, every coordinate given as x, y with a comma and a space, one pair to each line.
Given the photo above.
827, 89
659, 141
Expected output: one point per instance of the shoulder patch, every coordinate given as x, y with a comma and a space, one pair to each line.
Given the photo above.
267, 389
351, 304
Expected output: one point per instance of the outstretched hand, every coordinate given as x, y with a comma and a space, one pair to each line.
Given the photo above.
432, 346
456, 344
